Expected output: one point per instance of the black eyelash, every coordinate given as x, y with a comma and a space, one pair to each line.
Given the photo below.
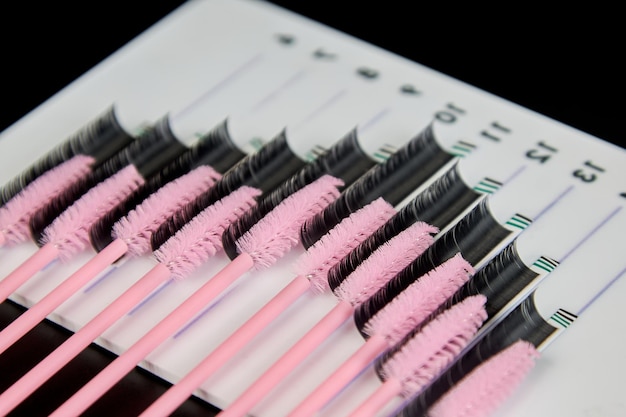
345, 160
474, 236
437, 205
214, 147
158, 137
265, 170
392, 180
500, 280
100, 139
522, 323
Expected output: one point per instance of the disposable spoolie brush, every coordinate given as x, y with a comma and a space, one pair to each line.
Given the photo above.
68, 234
265, 243
370, 276
16, 213
96, 142
389, 326
483, 390
214, 219
425, 354
311, 268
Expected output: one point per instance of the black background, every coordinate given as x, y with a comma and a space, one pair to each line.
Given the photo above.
564, 63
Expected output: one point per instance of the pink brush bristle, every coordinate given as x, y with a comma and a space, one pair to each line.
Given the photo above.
435, 345
385, 262
483, 390
279, 231
201, 238
407, 310
136, 228
69, 232
315, 263
16, 213
263, 244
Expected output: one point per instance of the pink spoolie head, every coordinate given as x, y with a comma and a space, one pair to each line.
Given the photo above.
385, 263
279, 231
201, 238
489, 385
70, 231
339, 241
136, 228
413, 305
16, 213
436, 345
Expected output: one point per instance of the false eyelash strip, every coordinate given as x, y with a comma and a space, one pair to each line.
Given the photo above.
99, 139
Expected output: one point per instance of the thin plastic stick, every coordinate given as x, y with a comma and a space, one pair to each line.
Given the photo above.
290, 360
179, 392
52, 363
378, 399
46, 254
29, 319
124, 363
341, 377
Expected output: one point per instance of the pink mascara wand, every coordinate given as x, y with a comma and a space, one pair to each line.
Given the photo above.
216, 219
480, 392
373, 272
389, 326
132, 238
265, 243
16, 213
425, 354
312, 267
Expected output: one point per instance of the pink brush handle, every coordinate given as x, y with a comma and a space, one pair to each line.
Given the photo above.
342, 376
390, 389
127, 361
173, 397
32, 380
20, 326
290, 360
46, 254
